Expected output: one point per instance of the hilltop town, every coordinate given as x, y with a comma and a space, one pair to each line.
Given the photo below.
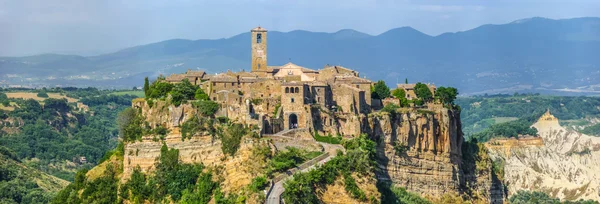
290, 96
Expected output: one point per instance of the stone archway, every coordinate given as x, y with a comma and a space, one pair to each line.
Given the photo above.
293, 121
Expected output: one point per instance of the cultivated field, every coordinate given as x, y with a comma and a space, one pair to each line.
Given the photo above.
28, 95
135, 93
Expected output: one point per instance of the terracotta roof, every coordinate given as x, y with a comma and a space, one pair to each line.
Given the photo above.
317, 83
406, 86
223, 77
337, 68
290, 65
350, 87
249, 79
195, 73
352, 79
246, 74
175, 77
259, 29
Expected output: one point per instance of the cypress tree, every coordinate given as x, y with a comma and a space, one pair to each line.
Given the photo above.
146, 86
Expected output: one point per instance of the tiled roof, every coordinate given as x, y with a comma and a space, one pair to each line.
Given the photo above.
260, 29
352, 79
195, 73
222, 78
406, 86
175, 77
290, 65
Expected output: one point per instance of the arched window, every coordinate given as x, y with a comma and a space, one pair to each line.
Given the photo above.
287, 89
259, 38
297, 90
292, 90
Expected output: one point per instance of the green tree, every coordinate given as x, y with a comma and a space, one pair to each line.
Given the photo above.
146, 86
42, 94
422, 91
182, 92
130, 124
399, 93
207, 108
446, 95
406, 80
380, 90
201, 95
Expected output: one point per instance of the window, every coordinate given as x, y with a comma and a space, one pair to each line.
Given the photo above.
259, 66
232, 84
259, 38
287, 89
358, 86
297, 90
319, 99
292, 100
292, 90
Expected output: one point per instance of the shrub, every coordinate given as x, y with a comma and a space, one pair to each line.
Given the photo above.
206, 108
42, 94
201, 95
400, 148
258, 183
130, 124
232, 137
328, 139
390, 108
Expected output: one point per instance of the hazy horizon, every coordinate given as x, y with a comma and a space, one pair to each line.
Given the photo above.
94, 27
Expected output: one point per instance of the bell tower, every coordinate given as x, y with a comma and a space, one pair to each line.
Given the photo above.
259, 49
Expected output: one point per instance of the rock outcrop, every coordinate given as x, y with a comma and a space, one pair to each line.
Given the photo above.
565, 164
421, 150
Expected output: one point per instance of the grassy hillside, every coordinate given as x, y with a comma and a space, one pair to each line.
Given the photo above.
57, 134
22, 184
510, 115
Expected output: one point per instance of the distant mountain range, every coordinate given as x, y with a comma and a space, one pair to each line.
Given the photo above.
529, 55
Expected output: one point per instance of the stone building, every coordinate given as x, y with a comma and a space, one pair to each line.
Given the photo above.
287, 96
409, 89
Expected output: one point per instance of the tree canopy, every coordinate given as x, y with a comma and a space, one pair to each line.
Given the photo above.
422, 91
380, 90
446, 95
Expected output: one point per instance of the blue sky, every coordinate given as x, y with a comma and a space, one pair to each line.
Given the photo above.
98, 26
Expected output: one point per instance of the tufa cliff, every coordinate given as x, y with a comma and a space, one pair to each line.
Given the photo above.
562, 163
422, 150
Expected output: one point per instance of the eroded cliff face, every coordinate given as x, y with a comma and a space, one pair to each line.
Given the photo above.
237, 170
563, 163
421, 150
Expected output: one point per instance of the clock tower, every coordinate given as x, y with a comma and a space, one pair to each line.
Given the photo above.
259, 49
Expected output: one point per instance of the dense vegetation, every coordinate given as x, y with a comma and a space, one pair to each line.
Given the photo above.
526, 197
171, 181
482, 112
55, 132
290, 158
18, 184
53, 136
592, 130
359, 159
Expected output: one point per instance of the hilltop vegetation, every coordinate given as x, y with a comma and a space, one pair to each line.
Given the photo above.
485, 117
54, 135
21, 184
